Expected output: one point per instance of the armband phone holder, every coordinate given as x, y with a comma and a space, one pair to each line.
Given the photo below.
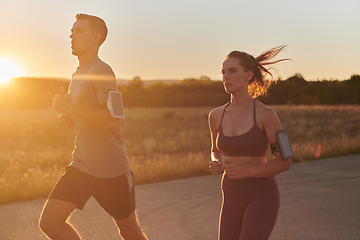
282, 145
115, 104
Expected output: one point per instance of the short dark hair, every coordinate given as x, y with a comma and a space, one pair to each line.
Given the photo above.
96, 24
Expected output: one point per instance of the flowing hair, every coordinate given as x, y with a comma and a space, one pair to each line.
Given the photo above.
259, 83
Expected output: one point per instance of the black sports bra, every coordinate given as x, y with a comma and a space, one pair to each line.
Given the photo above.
250, 144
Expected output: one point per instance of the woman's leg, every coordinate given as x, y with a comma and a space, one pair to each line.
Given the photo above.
261, 212
231, 216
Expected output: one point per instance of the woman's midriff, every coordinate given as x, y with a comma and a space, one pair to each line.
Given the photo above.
245, 161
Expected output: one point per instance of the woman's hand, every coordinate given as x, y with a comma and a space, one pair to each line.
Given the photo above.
234, 171
216, 167
65, 121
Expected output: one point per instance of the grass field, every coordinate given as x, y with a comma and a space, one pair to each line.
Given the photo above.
162, 143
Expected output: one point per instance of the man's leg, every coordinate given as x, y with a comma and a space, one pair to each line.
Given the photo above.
129, 228
53, 220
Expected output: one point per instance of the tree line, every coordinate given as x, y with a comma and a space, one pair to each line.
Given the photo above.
204, 92
296, 90
34, 93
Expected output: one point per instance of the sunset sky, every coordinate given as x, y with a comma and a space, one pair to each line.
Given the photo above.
158, 39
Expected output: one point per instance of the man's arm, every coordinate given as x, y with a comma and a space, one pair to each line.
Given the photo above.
99, 118
65, 121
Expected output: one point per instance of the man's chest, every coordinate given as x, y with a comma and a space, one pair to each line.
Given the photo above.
83, 94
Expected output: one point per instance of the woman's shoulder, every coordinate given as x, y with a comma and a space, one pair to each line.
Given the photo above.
267, 118
215, 117
263, 111
217, 112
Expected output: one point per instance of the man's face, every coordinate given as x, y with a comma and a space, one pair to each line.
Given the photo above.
82, 39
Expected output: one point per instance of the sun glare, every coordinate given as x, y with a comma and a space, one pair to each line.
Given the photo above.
8, 70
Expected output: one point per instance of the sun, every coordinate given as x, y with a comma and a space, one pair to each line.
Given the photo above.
8, 70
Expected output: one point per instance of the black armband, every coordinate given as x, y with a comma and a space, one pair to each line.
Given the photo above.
282, 145
274, 148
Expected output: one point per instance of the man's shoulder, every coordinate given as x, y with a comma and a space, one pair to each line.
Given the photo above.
102, 68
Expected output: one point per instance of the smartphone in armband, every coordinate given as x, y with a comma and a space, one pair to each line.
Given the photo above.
282, 145
115, 104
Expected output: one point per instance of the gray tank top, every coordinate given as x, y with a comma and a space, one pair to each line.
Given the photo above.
98, 151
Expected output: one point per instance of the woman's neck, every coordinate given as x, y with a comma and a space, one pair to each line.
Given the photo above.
241, 100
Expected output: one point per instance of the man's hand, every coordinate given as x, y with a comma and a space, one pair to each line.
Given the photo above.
65, 121
63, 103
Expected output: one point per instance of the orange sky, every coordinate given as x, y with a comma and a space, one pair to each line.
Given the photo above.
182, 39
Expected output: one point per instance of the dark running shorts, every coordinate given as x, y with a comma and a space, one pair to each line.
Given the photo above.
115, 195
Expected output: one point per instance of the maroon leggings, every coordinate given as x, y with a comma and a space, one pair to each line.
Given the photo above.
250, 208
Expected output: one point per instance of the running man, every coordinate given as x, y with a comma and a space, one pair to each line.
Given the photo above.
100, 166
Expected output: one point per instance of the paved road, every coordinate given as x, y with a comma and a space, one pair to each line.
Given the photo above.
319, 200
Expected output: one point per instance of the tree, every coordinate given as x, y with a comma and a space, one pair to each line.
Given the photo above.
136, 84
354, 80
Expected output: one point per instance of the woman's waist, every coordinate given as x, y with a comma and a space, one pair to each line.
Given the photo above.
244, 152
247, 184
245, 161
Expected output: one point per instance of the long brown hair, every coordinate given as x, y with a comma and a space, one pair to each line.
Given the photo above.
259, 83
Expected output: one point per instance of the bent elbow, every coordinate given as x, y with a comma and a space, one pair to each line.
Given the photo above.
114, 123
288, 165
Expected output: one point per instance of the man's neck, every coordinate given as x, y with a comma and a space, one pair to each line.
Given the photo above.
86, 58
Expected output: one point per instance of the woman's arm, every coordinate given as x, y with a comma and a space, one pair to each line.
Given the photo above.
269, 169
217, 162
271, 125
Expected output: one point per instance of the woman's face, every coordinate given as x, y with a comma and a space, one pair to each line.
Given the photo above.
234, 76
